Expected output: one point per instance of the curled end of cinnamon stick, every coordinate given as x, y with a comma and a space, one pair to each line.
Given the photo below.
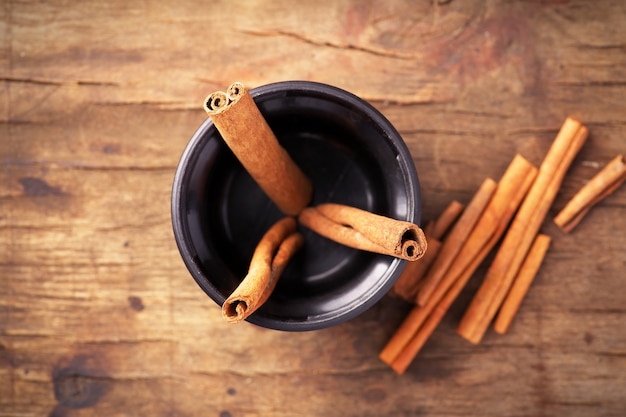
270, 257
216, 102
235, 91
413, 244
235, 310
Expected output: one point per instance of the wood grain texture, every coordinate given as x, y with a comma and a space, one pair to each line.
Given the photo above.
98, 315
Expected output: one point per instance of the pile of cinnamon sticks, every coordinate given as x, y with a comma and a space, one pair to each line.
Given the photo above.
514, 209
244, 129
509, 211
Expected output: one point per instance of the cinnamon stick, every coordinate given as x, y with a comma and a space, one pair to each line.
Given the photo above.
361, 229
247, 134
411, 280
604, 183
456, 238
403, 334
522, 283
451, 286
432, 316
270, 257
522, 231
438, 228
512, 187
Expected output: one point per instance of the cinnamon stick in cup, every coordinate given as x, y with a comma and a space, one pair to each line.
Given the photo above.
269, 259
247, 134
599, 187
361, 229
216, 102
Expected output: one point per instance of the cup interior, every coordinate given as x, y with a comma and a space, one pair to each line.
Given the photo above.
353, 156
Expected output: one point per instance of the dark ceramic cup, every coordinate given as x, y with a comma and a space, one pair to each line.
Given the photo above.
352, 154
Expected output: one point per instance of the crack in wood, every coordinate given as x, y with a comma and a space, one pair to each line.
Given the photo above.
327, 43
592, 83
592, 310
293, 372
445, 132
39, 81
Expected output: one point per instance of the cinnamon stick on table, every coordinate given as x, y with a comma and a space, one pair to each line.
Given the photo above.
245, 131
411, 279
522, 231
456, 238
522, 282
438, 228
361, 229
269, 259
601, 185
422, 320
511, 191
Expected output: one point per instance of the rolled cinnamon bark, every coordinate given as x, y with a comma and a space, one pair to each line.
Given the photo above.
247, 134
235, 91
411, 280
216, 102
269, 259
438, 228
522, 283
604, 183
422, 320
455, 240
522, 231
364, 230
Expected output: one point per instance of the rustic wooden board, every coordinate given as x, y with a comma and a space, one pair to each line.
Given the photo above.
98, 315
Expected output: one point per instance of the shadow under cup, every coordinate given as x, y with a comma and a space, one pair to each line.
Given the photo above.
353, 156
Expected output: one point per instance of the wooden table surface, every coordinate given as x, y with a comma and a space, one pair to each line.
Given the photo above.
99, 316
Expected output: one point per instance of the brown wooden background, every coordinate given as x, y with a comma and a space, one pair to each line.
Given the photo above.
98, 315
